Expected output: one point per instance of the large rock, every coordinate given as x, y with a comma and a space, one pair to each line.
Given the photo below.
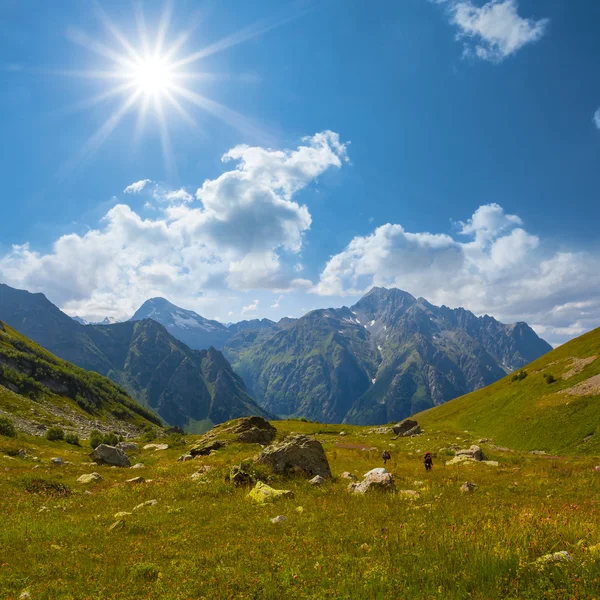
406, 428
109, 455
473, 452
296, 452
254, 430
376, 479
206, 447
263, 494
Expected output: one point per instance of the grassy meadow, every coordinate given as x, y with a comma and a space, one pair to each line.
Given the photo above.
205, 539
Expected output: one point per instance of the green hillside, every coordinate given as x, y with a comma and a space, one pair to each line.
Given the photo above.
555, 407
39, 390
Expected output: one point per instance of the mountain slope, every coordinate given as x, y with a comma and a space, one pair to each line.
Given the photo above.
398, 355
185, 325
185, 387
315, 368
432, 354
532, 413
37, 386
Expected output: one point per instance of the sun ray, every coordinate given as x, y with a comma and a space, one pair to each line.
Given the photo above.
229, 116
100, 135
247, 33
115, 31
79, 37
177, 106
166, 142
141, 26
97, 99
162, 29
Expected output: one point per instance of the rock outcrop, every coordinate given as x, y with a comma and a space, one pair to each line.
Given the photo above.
296, 453
109, 455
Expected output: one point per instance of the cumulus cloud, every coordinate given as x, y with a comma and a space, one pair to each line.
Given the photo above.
180, 195
252, 307
495, 30
492, 265
240, 233
137, 187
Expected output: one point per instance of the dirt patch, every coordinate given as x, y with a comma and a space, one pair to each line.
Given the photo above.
589, 387
578, 365
350, 445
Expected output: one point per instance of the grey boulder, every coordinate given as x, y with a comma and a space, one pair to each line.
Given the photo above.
110, 455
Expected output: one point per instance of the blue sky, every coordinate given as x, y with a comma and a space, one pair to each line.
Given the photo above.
450, 149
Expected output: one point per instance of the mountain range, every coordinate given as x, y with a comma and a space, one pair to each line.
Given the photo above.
386, 357
188, 388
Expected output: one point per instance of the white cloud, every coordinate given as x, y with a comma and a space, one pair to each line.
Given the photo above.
242, 233
277, 302
180, 195
137, 187
597, 119
500, 269
495, 30
252, 307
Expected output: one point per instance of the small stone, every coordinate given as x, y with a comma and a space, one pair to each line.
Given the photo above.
138, 466
317, 480
279, 519
348, 475
25, 595
57, 461
467, 487
597, 469
144, 504
555, 557
136, 480
128, 446
90, 478
185, 458
342, 433
36, 459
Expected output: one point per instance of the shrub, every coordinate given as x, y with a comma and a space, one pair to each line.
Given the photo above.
519, 376
72, 438
7, 427
549, 378
110, 439
149, 436
54, 434
176, 439
95, 439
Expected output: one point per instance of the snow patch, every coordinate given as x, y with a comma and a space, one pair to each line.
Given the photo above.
372, 323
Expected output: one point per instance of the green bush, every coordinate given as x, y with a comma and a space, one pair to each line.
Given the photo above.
72, 438
95, 439
7, 427
176, 439
549, 378
47, 488
149, 436
55, 434
519, 376
110, 439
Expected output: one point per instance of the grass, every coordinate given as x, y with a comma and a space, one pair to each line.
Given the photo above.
536, 411
204, 539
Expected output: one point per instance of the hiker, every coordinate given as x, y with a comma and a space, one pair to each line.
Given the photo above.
386, 456
428, 461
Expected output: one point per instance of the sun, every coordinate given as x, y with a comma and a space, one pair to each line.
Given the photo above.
153, 76
156, 76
